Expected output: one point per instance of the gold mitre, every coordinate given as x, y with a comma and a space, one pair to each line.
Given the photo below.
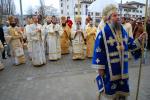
78, 18
63, 18
11, 19
109, 9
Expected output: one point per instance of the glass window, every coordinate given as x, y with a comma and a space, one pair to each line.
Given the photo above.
61, 11
97, 14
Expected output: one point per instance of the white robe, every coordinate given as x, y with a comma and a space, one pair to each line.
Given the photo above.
78, 44
29, 42
53, 41
44, 31
38, 51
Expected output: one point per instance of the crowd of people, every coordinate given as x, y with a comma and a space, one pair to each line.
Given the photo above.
55, 37
112, 39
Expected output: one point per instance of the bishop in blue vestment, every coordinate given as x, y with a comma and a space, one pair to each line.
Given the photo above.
111, 55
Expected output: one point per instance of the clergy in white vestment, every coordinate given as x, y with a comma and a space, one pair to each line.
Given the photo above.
44, 30
78, 40
28, 36
37, 38
16, 43
54, 31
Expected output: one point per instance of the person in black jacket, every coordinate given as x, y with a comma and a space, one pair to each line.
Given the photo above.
148, 32
2, 40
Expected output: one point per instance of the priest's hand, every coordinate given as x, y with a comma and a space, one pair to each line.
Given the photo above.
39, 30
101, 72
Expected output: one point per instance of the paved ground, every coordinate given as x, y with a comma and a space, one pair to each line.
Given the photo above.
62, 80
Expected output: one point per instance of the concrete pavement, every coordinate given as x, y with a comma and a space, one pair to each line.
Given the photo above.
62, 80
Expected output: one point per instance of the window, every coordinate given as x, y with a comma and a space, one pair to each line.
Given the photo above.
92, 13
86, 6
133, 10
67, 7
137, 11
137, 16
76, 13
61, 11
141, 6
133, 16
61, 4
140, 11
129, 10
125, 9
97, 14
67, 13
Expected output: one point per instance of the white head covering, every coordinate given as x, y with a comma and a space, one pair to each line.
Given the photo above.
109, 9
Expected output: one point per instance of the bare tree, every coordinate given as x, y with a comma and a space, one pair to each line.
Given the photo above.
41, 11
7, 7
148, 11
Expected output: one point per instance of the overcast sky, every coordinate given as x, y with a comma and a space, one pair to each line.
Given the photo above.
28, 3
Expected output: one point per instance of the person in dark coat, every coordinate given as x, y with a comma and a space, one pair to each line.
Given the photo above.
148, 32
2, 40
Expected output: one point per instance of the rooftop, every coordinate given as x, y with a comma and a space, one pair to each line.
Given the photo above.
130, 4
127, 6
134, 2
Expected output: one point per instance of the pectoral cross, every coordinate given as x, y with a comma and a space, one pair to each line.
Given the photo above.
111, 41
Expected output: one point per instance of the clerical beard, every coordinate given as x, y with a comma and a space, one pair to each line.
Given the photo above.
116, 26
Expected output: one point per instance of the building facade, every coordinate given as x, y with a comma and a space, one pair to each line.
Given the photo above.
132, 9
70, 8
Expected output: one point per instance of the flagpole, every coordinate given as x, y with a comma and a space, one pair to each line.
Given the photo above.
21, 11
142, 56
